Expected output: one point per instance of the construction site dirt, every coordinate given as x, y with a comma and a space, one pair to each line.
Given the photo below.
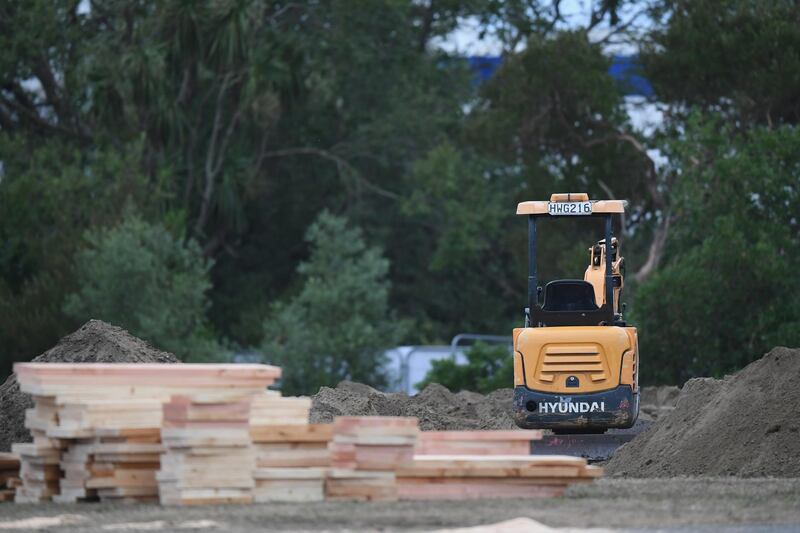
688, 504
716, 454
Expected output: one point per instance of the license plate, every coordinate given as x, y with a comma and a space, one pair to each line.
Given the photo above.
569, 208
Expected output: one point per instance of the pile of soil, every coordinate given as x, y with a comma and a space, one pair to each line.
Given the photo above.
94, 342
436, 407
655, 402
744, 425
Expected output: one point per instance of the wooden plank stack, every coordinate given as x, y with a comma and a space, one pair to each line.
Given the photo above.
209, 457
124, 465
270, 409
206, 434
365, 453
39, 472
9, 475
500, 442
102, 424
491, 476
291, 454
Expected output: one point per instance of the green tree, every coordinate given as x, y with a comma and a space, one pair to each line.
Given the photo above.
140, 276
50, 192
735, 56
488, 368
338, 324
725, 294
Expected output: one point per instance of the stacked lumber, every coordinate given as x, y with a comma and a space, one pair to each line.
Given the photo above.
292, 446
76, 470
39, 460
454, 477
209, 457
500, 442
291, 454
39, 472
289, 484
365, 453
125, 463
269, 408
9, 475
115, 465
101, 424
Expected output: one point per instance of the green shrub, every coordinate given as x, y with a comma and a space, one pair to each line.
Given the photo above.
141, 277
488, 368
339, 323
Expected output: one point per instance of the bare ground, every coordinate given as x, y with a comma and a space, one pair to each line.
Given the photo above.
675, 504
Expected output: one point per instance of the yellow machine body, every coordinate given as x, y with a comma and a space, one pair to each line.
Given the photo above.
601, 357
576, 362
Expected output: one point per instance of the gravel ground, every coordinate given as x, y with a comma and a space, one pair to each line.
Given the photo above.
689, 504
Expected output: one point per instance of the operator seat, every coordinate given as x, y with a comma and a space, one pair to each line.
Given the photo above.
569, 295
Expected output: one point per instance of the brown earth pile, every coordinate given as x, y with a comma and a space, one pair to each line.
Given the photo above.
94, 342
656, 402
436, 407
743, 425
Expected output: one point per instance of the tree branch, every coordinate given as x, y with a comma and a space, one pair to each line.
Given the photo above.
341, 163
427, 24
656, 251
214, 155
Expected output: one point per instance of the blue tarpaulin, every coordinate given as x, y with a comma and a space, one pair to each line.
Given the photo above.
624, 69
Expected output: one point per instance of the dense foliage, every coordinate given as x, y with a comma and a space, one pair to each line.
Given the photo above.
140, 275
488, 368
339, 323
722, 296
227, 127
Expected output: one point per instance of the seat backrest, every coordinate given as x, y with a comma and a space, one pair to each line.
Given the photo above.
569, 295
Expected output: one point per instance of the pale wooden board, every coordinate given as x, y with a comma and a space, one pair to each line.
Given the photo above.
472, 448
497, 461
387, 440
124, 478
292, 433
482, 435
289, 473
158, 373
476, 488
491, 472
289, 493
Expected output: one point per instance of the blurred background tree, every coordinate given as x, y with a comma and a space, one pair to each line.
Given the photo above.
339, 323
487, 368
231, 125
140, 275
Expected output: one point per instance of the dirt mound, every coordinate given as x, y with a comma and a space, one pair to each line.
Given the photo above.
94, 342
436, 407
744, 425
656, 402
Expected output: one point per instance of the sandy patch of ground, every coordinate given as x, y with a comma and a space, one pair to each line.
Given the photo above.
620, 504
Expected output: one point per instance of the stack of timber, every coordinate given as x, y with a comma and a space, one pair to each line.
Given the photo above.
455, 477
500, 442
39, 460
117, 464
101, 424
9, 475
291, 454
124, 465
39, 472
209, 457
270, 409
365, 454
